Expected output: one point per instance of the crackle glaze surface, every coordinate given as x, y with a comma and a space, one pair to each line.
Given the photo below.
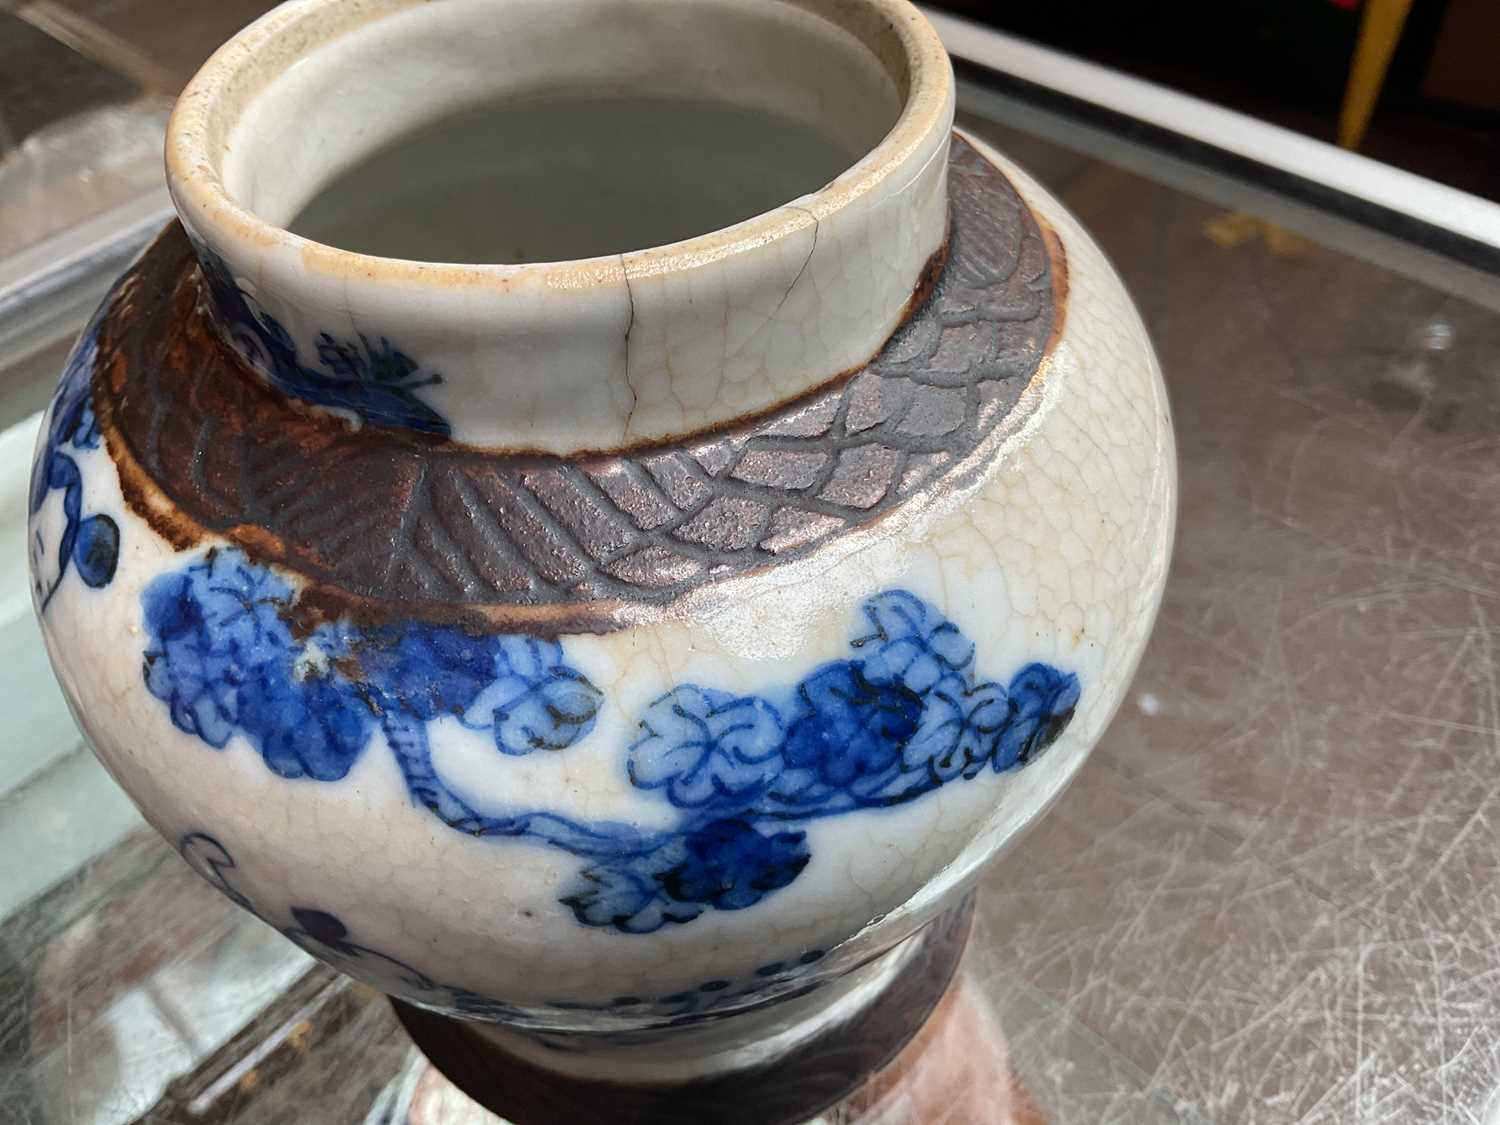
610, 747
1033, 592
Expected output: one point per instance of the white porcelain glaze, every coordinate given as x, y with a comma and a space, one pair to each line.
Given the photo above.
1048, 546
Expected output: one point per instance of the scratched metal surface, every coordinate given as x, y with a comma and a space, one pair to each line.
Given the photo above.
1273, 893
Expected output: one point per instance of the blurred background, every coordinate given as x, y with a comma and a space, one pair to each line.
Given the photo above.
85, 84
1425, 97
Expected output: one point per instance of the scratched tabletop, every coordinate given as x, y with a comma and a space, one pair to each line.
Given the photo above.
1272, 895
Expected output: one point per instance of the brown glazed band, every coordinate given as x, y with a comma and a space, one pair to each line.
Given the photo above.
384, 523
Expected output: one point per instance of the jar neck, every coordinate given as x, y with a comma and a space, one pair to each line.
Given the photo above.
596, 353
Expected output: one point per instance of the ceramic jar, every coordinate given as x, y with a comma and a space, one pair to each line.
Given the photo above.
631, 652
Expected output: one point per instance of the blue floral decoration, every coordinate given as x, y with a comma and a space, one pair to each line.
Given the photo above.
375, 381
224, 660
535, 700
849, 731
904, 715
89, 544
707, 748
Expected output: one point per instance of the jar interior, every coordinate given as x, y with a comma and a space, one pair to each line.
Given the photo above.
513, 131
541, 180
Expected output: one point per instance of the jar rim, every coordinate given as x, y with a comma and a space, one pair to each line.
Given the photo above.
216, 97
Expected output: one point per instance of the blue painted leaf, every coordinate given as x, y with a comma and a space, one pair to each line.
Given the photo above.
181, 674
528, 658
96, 550
1041, 705
800, 792
70, 422
935, 747
551, 714
536, 701
707, 747
314, 727
212, 860
987, 713
93, 545
850, 728
425, 670
961, 725
625, 898
59, 473
729, 864
41, 484
799, 787
911, 643
394, 407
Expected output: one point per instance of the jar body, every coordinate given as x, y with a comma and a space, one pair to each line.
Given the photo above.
654, 749
607, 836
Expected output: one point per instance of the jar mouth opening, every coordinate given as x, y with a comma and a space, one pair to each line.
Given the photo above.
681, 131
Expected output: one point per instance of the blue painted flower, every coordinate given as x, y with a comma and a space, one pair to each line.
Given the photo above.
730, 865
911, 643
534, 699
707, 747
1042, 700
850, 731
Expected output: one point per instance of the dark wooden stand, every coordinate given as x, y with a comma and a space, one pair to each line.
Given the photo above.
788, 1090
